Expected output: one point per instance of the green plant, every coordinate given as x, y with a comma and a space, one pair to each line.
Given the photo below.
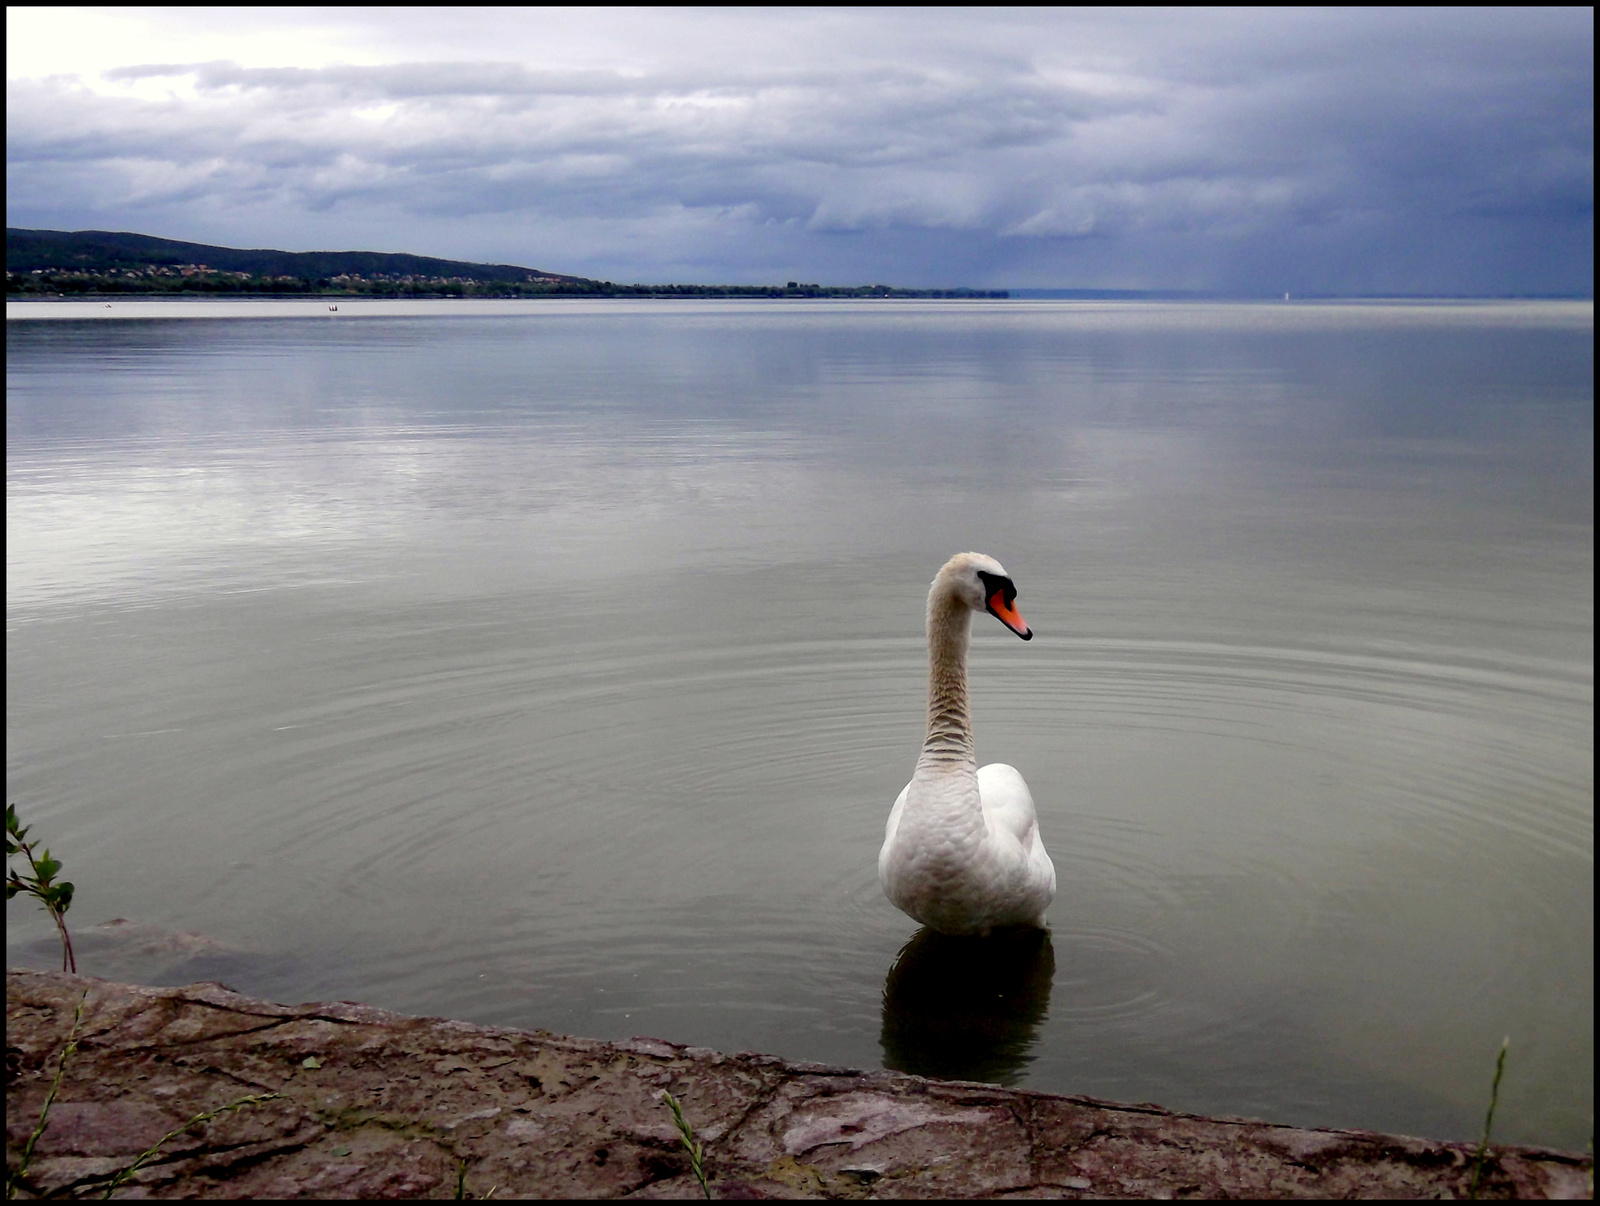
462, 1193
149, 1154
40, 882
1488, 1119
696, 1150
15, 1178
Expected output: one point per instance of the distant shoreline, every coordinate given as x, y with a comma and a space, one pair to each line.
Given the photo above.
1012, 295
96, 263
621, 293
221, 289
94, 305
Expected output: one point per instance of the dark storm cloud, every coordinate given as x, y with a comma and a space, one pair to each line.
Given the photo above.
1350, 150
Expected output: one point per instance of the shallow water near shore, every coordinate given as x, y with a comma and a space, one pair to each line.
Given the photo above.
556, 664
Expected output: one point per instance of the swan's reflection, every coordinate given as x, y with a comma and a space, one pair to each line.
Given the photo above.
967, 1008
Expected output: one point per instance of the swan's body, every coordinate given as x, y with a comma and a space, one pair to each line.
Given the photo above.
962, 852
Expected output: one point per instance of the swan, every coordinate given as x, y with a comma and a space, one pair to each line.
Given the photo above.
962, 852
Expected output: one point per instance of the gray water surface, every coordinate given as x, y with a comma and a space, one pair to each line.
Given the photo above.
556, 665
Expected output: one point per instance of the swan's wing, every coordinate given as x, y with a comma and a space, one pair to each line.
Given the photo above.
1008, 808
893, 825
889, 830
1007, 802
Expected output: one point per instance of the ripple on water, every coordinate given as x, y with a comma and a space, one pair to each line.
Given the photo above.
1210, 809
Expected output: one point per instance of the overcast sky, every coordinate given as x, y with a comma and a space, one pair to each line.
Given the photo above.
1253, 150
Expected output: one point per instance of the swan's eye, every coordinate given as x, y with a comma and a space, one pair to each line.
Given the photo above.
997, 584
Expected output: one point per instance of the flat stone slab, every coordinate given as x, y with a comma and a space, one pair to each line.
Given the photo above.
374, 1104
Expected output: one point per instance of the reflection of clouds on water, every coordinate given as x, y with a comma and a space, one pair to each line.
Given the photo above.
967, 1008
149, 459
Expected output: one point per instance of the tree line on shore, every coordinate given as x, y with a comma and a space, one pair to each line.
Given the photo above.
46, 263
59, 283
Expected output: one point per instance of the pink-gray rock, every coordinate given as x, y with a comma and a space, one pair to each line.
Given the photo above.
377, 1105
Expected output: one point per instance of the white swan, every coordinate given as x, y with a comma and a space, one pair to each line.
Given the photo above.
962, 851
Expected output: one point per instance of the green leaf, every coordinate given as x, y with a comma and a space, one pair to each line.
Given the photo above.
63, 895
12, 890
311, 1061
48, 867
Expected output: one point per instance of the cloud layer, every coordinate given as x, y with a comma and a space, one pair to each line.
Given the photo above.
1244, 150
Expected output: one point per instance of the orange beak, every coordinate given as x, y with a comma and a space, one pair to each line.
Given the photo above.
1008, 615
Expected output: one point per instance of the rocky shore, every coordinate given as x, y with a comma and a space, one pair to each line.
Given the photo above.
371, 1104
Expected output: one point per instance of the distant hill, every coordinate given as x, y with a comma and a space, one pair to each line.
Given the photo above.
60, 263
101, 251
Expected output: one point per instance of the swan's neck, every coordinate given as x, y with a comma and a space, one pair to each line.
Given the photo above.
949, 741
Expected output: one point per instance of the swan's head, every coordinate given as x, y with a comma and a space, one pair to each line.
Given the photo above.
983, 585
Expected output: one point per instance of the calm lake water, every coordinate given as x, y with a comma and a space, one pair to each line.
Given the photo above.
556, 664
